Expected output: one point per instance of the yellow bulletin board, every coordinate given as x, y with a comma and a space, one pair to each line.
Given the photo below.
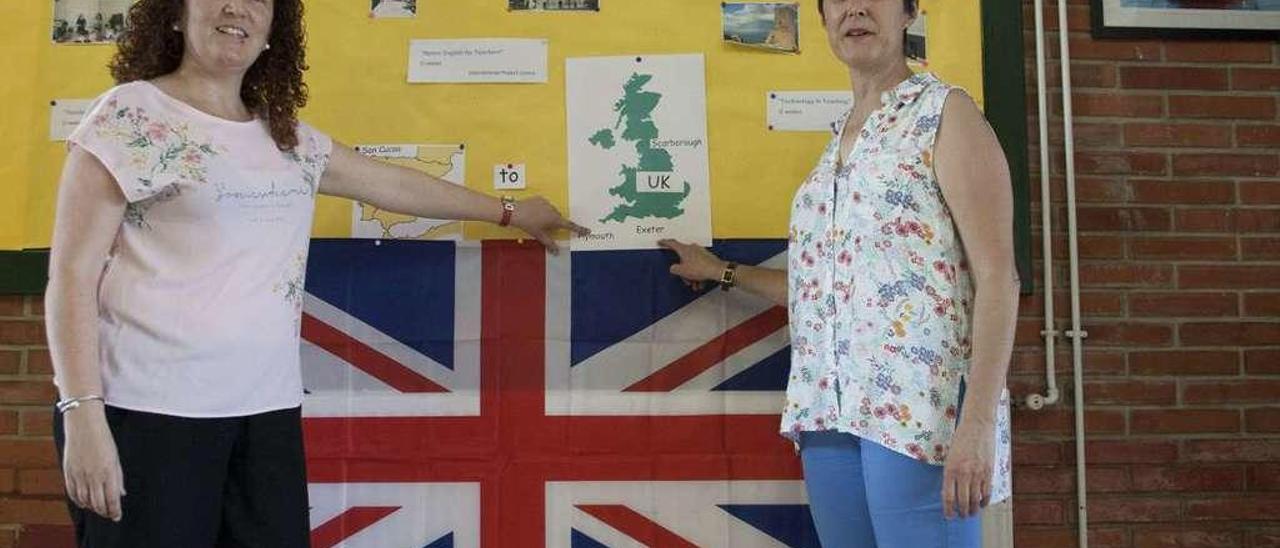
360, 94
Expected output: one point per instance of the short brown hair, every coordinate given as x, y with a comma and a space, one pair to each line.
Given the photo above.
908, 6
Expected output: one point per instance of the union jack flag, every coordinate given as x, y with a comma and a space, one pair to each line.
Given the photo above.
492, 395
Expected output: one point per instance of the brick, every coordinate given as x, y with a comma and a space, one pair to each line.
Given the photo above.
42, 481
1221, 163
1253, 249
1253, 507
1266, 538
1222, 106
8, 480
1042, 537
1077, 17
1182, 304
1259, 192
1083, 75
1121, 163
1263, 477
11, 306
1234, 450
1126, 105
1212, 52
1262, 420
21, 332
1184, 421
1262, 304
1222, 391
1130, 392
35, 306
47, 536
1143, 134
1187, 478
1059, 420
1130, 451
1228, 277
1038, 512
1185, 537
1230, 333
39, 362
1257, 220
1123, 218
37, 422
1156, 191
1129, 334
1262, 362
27, 392
1107, 479
1167, 77
1027, 332
1040, 453
1183, 248
1184, 362
1204, 220
8, 422
1255, 79
1083, 47
1044, 480
1133, 510
1115, 274
1097, 362
9, 361
1106, 190
27, 454
1092, 303
1096, 246
34, 511
1088, 135
1267, 136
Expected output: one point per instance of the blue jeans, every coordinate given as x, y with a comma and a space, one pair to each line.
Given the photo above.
863, 495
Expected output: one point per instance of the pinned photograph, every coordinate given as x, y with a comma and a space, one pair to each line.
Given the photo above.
553, 5
915, 43
773, 26
88, 21
393, 9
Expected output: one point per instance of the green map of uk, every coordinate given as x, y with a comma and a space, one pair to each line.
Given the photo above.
635, 118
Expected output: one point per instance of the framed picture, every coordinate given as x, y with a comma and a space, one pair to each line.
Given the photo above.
1216, 19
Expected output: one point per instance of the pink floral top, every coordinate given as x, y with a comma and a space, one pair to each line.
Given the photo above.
880, 295
200, 303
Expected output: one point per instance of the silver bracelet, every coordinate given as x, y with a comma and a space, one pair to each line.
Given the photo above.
72, 403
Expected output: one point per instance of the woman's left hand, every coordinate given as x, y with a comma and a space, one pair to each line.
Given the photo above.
966, 475
541, 220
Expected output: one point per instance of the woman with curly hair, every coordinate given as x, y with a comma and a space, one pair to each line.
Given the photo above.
174, 297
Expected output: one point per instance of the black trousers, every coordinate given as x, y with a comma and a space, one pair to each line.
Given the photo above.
203, 483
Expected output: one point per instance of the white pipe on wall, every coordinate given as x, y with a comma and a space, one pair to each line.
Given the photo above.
1076, 334
1049, 332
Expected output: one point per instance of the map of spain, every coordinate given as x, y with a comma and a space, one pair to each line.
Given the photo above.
638, 129
444, 161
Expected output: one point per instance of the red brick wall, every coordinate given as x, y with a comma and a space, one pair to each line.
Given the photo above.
1179, 189
30, 484
1178, 183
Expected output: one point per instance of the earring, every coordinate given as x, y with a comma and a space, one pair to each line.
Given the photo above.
266, 46
175, 27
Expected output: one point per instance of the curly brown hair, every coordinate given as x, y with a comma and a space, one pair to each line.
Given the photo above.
273, 88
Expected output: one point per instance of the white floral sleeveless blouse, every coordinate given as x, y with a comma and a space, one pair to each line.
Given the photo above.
880, 295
